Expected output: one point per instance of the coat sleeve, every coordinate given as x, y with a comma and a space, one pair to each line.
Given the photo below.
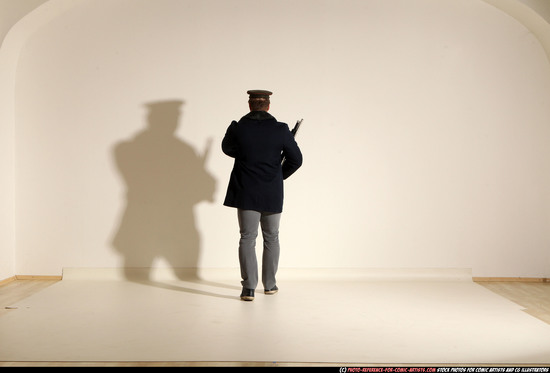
229, 143
292, 154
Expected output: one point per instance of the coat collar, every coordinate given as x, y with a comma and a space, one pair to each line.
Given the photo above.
259, 115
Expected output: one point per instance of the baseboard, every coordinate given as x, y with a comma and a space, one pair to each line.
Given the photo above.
7, 280
38, 277
29, 277
510, 279
291, 274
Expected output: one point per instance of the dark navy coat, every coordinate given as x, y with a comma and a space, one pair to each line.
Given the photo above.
257, 142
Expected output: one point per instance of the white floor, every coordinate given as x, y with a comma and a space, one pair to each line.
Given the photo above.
333, 320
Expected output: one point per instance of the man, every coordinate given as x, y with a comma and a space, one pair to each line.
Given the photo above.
258, 143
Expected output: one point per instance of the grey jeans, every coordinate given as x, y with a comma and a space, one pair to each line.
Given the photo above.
248, 223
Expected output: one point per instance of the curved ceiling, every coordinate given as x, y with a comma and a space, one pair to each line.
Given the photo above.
542, 7
12, 11
534, 14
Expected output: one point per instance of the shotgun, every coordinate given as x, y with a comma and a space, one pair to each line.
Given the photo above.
294, 131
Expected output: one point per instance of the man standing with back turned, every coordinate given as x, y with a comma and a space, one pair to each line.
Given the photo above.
258, 143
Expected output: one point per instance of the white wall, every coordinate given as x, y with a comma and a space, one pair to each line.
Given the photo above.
10, 13
7, 174
425, 133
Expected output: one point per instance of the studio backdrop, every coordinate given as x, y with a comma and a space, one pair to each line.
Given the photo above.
426, 133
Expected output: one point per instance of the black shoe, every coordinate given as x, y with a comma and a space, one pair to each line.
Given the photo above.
271, 291
247, 294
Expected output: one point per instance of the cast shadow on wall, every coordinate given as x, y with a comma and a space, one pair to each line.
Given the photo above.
165, 178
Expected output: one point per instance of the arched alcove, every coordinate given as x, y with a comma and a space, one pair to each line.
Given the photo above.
424, 136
